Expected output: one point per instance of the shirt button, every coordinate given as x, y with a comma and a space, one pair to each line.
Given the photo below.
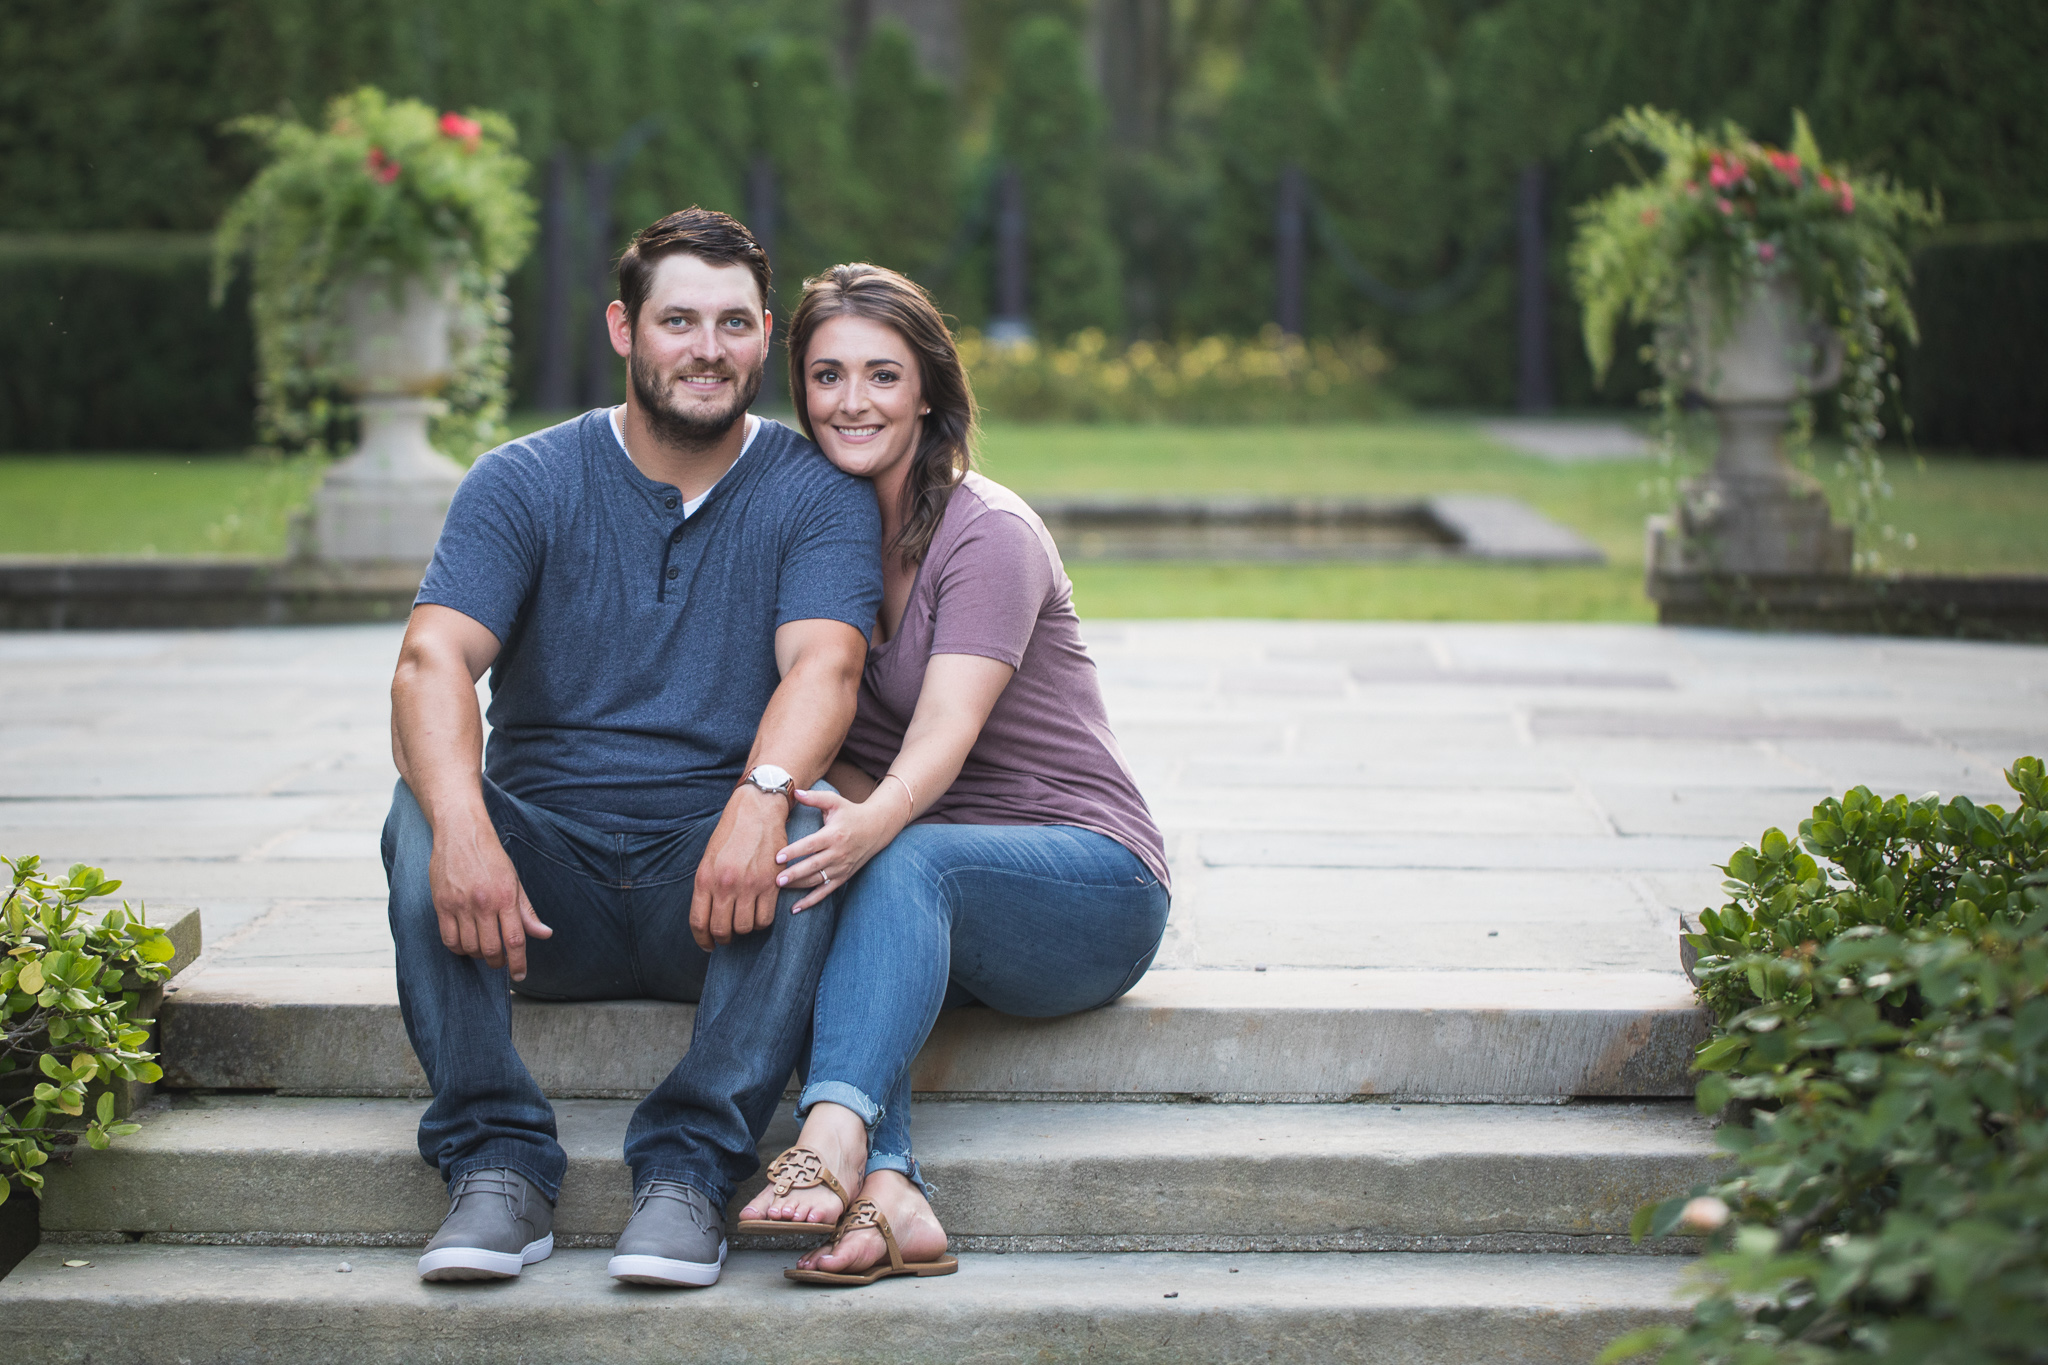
677, 538
675, 572
671, 502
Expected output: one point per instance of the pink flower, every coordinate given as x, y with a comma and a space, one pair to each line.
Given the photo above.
1765, 251
1847, 199
1785, 164
1722, 172
1725, 207
466, 130
381, 166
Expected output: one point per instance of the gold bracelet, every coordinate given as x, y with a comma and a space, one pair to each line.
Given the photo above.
906, 789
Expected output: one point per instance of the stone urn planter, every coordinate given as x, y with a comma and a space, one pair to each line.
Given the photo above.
1752, 513
386, 500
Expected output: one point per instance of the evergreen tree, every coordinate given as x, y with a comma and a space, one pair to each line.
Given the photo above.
905, 146
800, 117
1049, 125
1393, 173
1277, 114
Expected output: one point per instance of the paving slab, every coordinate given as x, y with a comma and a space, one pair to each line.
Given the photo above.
248, 1170
257, 1305
246, 773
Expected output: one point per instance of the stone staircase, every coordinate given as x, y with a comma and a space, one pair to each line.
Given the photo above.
1225, 1166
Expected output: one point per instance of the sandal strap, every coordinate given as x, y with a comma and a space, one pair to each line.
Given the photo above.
864, 1214
800, 1168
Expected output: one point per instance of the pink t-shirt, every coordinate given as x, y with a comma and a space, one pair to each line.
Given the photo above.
992, 584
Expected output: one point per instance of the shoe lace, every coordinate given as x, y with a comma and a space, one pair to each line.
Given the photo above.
688, 1196
494, 1181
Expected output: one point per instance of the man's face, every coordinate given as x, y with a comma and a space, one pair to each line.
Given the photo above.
696, 354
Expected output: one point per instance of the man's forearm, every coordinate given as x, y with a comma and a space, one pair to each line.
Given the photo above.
437, 738
807, 718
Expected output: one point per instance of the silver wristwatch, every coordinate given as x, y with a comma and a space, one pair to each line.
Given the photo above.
773, 780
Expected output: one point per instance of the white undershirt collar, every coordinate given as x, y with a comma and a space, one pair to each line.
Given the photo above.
690, 507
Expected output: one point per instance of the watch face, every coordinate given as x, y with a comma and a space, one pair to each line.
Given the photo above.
770, 778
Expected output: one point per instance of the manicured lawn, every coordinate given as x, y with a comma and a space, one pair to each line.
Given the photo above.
149, 504
1968, 515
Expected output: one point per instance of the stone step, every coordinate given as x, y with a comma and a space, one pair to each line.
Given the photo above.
253, 1305
1297, 1034
1011, 1176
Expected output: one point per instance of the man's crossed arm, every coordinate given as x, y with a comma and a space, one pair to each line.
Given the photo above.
437, 743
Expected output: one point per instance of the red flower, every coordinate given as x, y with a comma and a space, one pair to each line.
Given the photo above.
1785, 164
1847, 199
1722, 172
381, 166
467, 130
1827, 182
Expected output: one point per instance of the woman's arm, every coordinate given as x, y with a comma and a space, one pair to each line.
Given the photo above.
958, 693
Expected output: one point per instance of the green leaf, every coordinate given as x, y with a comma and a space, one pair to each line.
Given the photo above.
105, 1108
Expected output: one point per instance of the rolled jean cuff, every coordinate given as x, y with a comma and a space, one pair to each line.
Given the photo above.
843, 1095
905, 1166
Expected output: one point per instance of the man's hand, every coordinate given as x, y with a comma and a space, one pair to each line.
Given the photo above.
735, 890
482, 908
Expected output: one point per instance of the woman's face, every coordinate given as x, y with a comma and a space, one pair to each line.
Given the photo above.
865, 395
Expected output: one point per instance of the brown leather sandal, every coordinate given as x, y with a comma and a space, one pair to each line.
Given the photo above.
864, 1214
799, 1168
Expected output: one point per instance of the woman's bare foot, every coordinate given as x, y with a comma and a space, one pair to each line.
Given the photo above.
836, 1134
910, 1217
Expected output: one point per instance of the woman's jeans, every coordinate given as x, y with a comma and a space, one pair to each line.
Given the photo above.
620, 908
1032, 920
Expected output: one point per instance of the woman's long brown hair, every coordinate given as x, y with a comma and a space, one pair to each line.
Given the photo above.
945, 448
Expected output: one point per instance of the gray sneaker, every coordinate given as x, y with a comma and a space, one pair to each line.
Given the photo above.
498, 1222
674, 1237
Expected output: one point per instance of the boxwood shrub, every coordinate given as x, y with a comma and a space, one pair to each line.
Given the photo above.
1880, 1055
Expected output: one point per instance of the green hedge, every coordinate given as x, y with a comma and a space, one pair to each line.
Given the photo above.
1977, 378
107, 342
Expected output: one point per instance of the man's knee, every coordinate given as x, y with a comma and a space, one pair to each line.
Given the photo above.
408, 848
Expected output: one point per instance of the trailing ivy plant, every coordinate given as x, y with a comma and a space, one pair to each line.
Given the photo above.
1880, 998
387, 189
69, 989
1727, 214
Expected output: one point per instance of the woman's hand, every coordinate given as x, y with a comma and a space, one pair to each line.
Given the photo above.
854, 832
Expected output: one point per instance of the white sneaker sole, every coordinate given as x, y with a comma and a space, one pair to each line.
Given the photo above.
475, 1263
663, 1271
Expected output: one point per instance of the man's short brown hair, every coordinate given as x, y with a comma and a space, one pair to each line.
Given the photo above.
706, 234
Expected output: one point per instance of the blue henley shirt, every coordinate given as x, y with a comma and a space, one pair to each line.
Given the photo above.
637, 647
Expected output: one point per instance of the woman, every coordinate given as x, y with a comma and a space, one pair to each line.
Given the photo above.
1003, 851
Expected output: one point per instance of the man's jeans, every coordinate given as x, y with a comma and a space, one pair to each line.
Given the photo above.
620, 908
1033, 920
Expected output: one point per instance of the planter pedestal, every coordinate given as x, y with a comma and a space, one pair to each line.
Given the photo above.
386, 501
1753, 513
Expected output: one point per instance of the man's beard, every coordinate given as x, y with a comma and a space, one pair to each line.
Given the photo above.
690, 431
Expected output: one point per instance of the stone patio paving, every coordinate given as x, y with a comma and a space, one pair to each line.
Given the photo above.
1536, 798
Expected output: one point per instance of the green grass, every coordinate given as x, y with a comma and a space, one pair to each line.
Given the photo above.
1968, 515
149, 504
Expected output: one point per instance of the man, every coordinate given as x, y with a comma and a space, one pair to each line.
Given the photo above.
673, 599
